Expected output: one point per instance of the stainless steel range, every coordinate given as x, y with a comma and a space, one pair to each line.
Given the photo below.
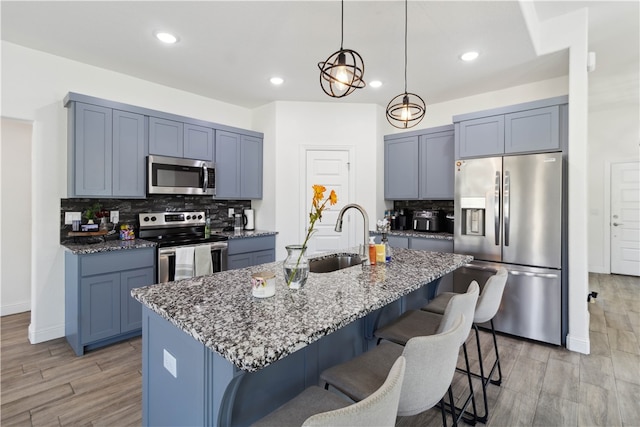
171, 230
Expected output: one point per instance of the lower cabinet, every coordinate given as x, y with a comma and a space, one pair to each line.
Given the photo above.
248, 251
99, 309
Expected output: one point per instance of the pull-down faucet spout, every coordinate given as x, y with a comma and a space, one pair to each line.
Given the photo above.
364, 253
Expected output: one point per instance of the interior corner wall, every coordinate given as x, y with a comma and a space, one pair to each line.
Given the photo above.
15, 219
33, 87
309, 124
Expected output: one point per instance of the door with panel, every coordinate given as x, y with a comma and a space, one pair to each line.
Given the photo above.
625, 218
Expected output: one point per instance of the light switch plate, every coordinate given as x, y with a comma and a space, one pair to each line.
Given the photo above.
170, 363
114, 217
69, 217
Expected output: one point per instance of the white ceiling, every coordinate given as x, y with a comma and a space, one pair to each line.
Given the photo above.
228, 50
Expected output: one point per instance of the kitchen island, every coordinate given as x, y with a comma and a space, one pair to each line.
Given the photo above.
215, 355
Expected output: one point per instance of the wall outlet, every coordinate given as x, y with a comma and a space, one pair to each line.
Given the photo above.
170, 363
231, 211
114, 217
69, 217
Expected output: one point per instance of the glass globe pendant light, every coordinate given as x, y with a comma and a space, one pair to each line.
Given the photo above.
407, 109
342, 72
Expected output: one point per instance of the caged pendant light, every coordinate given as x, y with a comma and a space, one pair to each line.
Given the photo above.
407, 109
342, 72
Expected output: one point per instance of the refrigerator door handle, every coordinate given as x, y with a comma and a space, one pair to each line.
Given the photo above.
496, 208
507, 184
530, 274
480, 268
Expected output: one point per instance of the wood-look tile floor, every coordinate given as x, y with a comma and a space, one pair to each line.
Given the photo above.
543, 385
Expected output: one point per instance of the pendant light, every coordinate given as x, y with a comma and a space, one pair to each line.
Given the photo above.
342, 72
407, 109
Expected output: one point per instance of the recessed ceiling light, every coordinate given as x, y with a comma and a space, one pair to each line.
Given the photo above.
276, 80
166, 37
469, 56
375, 83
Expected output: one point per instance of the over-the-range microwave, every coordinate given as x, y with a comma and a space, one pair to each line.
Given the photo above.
171, 175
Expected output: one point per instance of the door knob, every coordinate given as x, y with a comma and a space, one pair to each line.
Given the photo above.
615, 224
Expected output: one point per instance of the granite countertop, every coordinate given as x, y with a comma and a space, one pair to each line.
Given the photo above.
220, 311
244, 233
106, 246
421, 234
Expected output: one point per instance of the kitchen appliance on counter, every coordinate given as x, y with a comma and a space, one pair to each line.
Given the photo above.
426, 221
249, 219
448, 220
508, 213
171, 230
171, 175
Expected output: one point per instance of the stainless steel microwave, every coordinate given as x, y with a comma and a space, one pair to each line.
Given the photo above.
171, 175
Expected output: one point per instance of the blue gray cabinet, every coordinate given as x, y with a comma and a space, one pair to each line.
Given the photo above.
533, 127
106, 152
419, 165
99, 309
198, 142
238, 166
166, 137
248, 251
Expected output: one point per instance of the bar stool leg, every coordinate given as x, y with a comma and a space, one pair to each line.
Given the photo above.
483, 418
497, 362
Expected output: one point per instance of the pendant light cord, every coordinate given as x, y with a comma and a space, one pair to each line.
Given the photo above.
405, 45
341, 24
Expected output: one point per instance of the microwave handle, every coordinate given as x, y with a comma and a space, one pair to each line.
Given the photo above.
205, 181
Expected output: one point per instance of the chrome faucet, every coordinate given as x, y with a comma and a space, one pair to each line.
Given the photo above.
364, 253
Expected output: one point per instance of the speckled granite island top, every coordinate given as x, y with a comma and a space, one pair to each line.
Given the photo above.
245, 233
419, 234
219, 310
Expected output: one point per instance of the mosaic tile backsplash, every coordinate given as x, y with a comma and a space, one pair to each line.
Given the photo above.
130, 208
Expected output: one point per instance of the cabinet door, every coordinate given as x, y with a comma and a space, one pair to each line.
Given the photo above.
100, 307
250, 167
482, 137
227, 165
401, 168
435, 245
198, 142
532, 130
239, 261
437, 166
93, 150
165, 137
128, 154
130, 309
263, 257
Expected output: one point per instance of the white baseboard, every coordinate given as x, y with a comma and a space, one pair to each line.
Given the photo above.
47, 334
19, 307
599, 269
579, 345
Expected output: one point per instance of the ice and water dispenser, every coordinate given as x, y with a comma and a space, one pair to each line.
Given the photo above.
472, 212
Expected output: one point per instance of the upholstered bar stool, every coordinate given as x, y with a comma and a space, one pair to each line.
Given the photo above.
419, 323
431, 362
316, 406
486, 309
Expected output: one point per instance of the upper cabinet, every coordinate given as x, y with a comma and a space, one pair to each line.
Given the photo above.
108, 143
533, 127
106, 152
238, 166
419, 164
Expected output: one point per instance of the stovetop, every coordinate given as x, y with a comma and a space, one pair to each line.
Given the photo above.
176, 228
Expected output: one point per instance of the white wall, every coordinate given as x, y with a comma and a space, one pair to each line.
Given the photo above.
33, 87
301, 124
15, 219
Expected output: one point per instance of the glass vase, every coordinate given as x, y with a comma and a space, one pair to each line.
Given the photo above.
296, 266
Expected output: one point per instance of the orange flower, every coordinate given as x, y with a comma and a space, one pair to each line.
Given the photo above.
333, 198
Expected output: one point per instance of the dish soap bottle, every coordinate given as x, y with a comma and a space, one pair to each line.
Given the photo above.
372, 251
207, 226
387, 250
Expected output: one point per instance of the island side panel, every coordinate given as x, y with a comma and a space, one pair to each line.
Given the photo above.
179, 385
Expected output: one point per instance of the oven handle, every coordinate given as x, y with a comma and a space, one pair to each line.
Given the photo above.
172, 250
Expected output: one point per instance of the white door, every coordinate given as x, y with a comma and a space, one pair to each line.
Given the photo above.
331, 169
625, 218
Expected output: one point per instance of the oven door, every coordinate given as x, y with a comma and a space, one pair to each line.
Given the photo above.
167, 260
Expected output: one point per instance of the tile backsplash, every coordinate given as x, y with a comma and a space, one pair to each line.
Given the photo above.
130, 208
416, 205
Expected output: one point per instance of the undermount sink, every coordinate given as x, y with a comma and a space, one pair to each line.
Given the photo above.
333, 263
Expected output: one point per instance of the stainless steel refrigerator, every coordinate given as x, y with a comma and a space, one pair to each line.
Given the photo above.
508, 212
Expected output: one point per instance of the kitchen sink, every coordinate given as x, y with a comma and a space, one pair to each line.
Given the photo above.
333, 263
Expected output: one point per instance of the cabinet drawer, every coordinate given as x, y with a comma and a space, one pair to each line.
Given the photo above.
116, 261
251, 244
